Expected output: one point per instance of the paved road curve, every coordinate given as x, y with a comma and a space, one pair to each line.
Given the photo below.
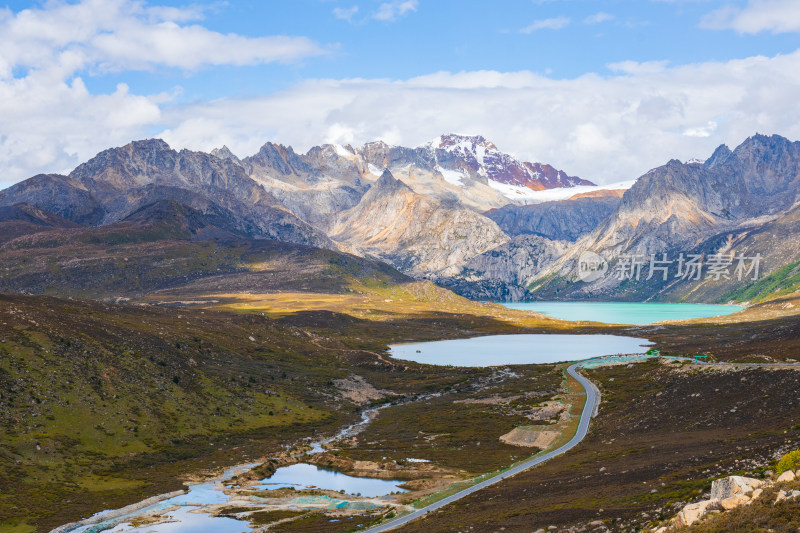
589, 411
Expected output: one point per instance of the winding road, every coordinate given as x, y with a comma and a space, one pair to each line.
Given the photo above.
589, 411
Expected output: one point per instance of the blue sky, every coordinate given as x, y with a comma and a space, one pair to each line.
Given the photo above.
603, 89
448, 35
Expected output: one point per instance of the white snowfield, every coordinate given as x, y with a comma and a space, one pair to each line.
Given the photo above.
524, 195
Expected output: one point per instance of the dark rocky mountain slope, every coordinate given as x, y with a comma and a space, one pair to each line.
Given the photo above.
563, 220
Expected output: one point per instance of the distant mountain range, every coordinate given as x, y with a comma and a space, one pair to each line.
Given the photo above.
456, 210
742, 202
334, 197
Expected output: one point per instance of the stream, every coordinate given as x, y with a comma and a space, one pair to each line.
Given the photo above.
186, 510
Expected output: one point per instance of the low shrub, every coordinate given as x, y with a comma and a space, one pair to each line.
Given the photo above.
790, 461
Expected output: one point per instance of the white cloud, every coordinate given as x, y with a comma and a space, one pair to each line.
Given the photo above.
345, 13
701, 131
597, 18
125, 34
139, 46
776, 16
555, 23
604, 128
636, 67
390, 11
49, 121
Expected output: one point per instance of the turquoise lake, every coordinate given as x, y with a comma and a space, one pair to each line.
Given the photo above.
524, 349
625, 312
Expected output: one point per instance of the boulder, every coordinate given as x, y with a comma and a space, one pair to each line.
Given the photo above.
734, 501
730, 486
693, 512
786, 476
756, 494
780, 497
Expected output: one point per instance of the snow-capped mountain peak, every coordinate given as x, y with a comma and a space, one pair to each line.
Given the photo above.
455, 142
480, 157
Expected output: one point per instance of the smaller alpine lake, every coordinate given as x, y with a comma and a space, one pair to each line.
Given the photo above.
301, 476
524, 349
624, 312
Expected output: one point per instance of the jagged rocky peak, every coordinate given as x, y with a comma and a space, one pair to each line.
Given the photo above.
762, 153
335, 149
720, 155
127, 166
376, 153
225, 153
146, 149
279, 158
144, 146
456, 141
483, 160
388, 182
331, 155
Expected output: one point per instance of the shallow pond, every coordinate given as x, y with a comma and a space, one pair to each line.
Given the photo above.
303, 475
190, 518
494, 350
625, 312
186, 520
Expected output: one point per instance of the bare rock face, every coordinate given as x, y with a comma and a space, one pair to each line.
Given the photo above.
315, 186
225, 153
728, 487
414, 232
742, 201
504, 273
734, 501
57, 194
693, 512
564, 220
430, 228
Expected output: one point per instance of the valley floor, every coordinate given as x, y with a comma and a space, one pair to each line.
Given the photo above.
103, 405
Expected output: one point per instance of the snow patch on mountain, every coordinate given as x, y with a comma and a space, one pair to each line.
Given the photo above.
524, 195
455, 177
341, 151
476, 156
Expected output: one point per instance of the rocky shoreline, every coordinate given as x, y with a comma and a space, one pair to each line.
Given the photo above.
118, 513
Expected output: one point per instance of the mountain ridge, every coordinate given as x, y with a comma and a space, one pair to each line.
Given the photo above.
420, 209
713, 208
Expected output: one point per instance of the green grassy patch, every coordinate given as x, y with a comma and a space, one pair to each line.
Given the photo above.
783, 281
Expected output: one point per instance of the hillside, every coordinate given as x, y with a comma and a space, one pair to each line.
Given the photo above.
168, 245
416, 233
102, 405
740, 202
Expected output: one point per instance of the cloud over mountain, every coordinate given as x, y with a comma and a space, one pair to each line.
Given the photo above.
611, 125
